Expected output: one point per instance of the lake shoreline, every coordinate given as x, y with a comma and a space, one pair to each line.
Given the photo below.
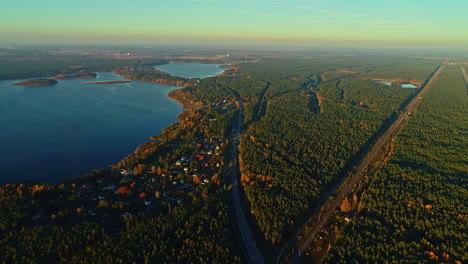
108, 82
176, 93
178, 96
110, 113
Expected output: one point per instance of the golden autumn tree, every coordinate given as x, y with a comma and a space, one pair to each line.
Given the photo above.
345, 205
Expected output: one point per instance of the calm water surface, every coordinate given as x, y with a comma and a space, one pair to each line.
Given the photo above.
55, 132
386, 83
409, 85
191, 70
405, 85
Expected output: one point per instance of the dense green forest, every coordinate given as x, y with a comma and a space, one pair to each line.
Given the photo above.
196, 233
304, 135
412, 70
415, 209
149, 74
306, 121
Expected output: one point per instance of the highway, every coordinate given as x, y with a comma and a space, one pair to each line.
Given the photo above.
254, 255
346, 187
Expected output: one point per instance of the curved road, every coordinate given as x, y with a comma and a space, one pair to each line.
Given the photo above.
348, 184
249, 242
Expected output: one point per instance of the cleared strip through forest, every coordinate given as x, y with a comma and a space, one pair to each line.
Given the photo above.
136, 65
465, 75
346, 186
314, 103
337, 85
260, 108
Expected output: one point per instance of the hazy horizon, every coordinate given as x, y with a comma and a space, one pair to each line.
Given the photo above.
270, 23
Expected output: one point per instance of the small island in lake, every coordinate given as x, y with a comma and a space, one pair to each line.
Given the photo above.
37, 82
109, 82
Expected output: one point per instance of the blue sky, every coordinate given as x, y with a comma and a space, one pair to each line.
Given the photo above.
384, 22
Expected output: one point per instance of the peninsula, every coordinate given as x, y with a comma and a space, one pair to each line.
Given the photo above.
37, 82
82, 74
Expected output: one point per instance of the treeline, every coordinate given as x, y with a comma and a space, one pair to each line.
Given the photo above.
415, 209
149, 74
412, 70
19, 69
219, 90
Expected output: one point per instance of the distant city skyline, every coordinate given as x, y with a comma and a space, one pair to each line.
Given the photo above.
221, 22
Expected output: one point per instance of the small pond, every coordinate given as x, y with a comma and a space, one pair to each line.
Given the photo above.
405, 85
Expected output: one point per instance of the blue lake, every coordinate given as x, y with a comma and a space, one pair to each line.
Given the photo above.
191, 70
386, 83
55, 132
409, 85
405, 85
